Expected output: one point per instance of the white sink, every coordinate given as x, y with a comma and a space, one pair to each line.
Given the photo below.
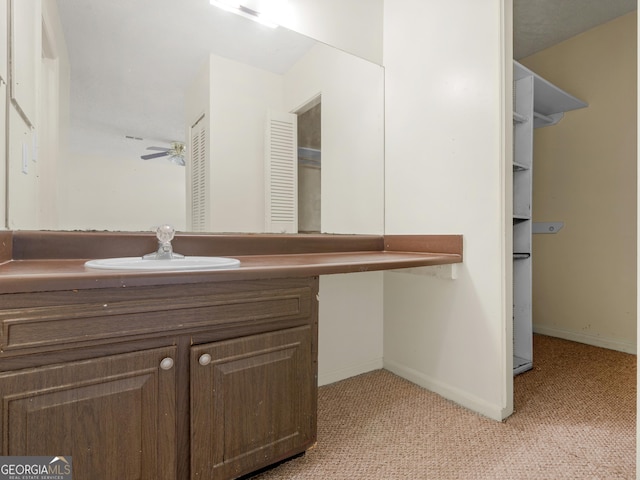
173, 264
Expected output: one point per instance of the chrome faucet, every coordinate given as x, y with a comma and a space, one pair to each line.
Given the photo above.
165, 234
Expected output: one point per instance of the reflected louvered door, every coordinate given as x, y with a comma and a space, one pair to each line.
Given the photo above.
281, 173
198, 214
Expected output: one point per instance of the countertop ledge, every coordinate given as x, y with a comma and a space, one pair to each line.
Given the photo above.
54, 261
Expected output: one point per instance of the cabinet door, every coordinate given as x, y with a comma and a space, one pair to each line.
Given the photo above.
253, 402
114, 415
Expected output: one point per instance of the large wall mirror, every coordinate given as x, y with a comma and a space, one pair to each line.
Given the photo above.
125, 83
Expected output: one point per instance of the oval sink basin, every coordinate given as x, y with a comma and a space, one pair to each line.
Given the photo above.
174, 264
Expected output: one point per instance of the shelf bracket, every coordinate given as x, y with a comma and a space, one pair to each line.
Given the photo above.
541, 120
546, 227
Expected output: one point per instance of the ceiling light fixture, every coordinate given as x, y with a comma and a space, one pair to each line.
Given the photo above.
244, 11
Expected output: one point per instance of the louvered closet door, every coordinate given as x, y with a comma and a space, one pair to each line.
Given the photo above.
281, 173
199, 194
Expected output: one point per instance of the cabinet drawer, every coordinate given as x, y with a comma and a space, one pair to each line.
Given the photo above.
52, 327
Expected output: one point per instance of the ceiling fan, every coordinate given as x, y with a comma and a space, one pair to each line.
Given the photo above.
175, 153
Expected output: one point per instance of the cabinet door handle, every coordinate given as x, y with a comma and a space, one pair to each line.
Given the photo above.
166, 363
205, 359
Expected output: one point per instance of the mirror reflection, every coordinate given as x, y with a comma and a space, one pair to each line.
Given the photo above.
157, 111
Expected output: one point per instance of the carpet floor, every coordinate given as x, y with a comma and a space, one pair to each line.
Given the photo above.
575, 416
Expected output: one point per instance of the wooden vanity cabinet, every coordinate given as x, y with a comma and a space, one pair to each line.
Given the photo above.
252, 399
202, 381
114, 415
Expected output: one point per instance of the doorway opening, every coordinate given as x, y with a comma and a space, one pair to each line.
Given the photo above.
309, 166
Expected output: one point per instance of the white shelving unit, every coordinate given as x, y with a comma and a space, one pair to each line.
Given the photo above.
537, 103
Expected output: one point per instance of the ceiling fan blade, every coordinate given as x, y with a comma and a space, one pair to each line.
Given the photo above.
161, 149
154, 155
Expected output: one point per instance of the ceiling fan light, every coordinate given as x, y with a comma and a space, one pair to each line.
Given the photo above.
177, 160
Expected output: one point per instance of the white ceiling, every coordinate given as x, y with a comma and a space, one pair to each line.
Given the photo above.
539, 24
132, 59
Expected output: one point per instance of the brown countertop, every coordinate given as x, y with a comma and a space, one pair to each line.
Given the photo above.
47, 261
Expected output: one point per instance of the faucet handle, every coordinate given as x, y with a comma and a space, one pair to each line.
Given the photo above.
165, 233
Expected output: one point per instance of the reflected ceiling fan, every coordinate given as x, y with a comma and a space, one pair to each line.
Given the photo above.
175, 153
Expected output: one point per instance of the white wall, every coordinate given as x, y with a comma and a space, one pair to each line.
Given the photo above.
352, 185
23, 188
32, 197
241, 96
637, 241
4, 64
3, 157
119, 192
352, 127
55, 113
354, 26
447, 124
350, 325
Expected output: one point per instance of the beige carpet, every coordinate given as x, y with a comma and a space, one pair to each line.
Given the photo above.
574, 419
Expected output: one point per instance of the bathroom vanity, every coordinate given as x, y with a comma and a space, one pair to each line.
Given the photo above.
172, 375
225, 371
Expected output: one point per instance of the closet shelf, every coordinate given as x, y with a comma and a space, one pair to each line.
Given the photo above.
549, 101
542, 104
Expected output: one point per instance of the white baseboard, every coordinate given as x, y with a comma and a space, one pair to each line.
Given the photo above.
464, 399
333, 376
596, 341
